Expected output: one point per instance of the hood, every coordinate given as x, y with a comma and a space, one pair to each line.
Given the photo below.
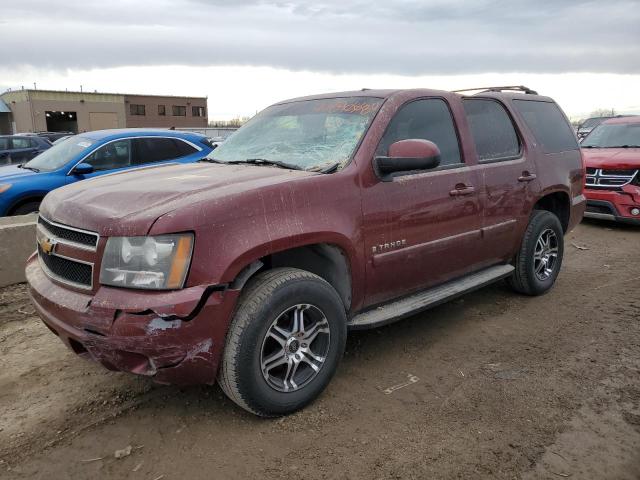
11, 173
128, 203
613, 158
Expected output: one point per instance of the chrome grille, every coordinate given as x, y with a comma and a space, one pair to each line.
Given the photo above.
70, 235
76, 272
611, 179
64, 269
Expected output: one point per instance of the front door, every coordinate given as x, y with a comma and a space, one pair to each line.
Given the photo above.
421, 229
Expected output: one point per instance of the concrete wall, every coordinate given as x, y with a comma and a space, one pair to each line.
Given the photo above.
151, 119
17, 243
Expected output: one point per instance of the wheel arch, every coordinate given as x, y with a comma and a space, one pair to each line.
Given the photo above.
557, 202
31, 197
328, 260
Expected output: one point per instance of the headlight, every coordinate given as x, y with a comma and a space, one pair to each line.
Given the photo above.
158, 263
4, 187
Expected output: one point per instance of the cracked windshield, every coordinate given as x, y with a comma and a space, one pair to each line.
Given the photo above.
312, 135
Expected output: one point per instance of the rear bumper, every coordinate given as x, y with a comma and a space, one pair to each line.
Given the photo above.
614, 205
126, 330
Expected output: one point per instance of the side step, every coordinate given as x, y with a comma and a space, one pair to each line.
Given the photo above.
407, 306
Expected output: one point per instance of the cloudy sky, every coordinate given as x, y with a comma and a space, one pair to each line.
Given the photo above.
247, 54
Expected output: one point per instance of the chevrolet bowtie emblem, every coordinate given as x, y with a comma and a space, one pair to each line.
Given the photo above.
48, 246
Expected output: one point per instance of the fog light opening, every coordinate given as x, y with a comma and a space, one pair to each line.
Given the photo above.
635, 211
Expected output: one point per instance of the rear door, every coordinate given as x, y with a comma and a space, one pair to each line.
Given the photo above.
421, 229
507, 177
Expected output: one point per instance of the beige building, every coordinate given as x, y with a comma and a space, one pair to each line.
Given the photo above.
54, 111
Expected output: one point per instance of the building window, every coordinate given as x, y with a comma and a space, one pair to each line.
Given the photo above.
197, 111
162, 110
179, 111
137, 109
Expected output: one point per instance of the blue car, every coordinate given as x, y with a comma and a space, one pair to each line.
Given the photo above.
87, 155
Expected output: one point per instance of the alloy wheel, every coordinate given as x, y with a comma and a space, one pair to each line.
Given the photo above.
295, 348
545, 255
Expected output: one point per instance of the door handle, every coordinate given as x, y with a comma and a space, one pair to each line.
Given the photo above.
527, 177
461, 190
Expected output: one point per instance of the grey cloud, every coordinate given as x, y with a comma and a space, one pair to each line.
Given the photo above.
350, 36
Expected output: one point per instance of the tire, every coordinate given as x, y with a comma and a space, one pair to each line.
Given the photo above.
538, 266
268, 306
26, 208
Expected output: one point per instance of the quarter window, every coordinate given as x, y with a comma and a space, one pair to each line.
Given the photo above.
492, 130
428, 119
179, 111
112, 155
548, 125
135, 109
184, 148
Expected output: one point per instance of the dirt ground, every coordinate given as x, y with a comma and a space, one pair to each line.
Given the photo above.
495, 385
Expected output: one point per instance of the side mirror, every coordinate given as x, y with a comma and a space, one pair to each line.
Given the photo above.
82, 169
408, 156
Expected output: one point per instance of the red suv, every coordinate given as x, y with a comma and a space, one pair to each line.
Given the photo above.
321, 214
612, 157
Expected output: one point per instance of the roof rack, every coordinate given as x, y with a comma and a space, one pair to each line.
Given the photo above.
516, 88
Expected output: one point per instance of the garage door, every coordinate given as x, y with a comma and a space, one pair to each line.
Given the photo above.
103, 120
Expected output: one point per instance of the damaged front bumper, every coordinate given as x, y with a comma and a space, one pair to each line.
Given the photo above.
175, 337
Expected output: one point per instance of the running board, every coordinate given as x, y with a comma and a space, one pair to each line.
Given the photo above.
407, 306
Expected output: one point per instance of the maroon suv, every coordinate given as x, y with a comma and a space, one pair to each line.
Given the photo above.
321, 214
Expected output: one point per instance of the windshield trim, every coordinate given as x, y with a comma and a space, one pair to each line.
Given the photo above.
356, 148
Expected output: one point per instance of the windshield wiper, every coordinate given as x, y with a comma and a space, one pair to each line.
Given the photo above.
625, 146
264, 161
324, 169
33, 169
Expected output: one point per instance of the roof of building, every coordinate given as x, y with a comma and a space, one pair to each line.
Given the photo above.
75, 92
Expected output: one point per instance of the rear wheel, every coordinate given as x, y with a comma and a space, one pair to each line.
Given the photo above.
25, 208
284, 343
540, 257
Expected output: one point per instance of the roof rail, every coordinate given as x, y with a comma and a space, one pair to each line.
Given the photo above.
516, 88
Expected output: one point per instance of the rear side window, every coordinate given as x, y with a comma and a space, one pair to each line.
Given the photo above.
4, 144
149, 150
492, 130
548, 124
427, 120
184, 148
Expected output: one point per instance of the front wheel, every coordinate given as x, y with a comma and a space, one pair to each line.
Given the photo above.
285, 342
540, 257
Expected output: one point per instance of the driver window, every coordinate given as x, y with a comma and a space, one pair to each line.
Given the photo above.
110, 156
427, 120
